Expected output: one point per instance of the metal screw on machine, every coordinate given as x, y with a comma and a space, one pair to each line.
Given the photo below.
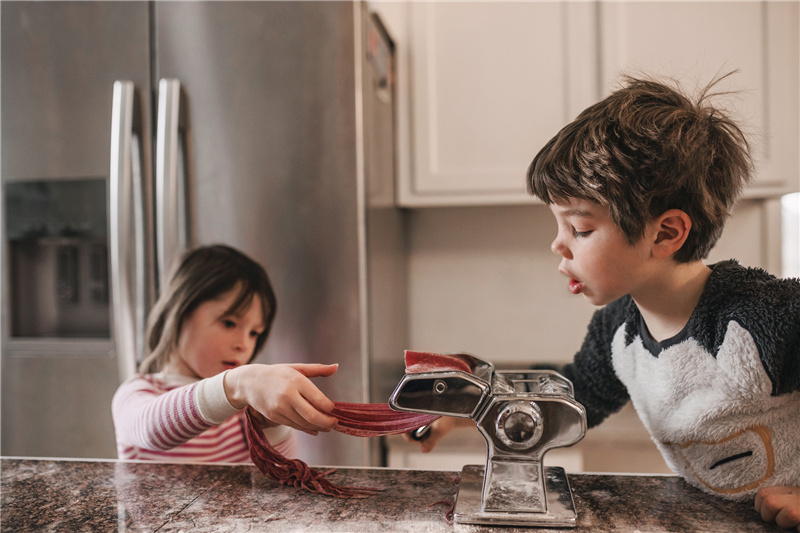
422, 433
521, 415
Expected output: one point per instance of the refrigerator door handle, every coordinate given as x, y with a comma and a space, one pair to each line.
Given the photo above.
170, 194
126, 235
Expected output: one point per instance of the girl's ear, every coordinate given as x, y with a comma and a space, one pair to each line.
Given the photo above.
672, 229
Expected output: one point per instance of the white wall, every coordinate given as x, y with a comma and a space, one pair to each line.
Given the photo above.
483, 280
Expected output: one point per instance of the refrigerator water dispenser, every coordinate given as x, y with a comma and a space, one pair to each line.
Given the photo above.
58, 257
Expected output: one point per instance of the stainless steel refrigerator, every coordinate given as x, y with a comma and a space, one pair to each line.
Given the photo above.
132, 130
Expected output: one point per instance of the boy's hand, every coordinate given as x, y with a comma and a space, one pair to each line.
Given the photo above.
283, 394
780, 505
439, 428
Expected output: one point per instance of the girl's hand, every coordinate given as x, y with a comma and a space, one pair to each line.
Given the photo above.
780, 505
283, 394
261, 420
439, 428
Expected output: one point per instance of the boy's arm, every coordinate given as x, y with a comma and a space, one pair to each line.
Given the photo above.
773, 318
597, 386
768, 308
438, 429
786, 359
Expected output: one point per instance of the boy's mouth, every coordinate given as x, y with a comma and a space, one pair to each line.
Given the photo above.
230, 364
575, 286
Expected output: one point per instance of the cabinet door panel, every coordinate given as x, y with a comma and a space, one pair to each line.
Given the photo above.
695, 41
491, 83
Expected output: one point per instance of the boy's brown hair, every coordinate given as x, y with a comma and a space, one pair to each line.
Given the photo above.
644, 149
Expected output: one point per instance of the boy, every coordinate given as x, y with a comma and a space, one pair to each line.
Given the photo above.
640, 185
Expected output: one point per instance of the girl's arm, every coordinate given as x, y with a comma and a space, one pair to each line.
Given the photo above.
149, 418
283, 394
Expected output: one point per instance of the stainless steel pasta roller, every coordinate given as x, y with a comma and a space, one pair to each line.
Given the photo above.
521, 414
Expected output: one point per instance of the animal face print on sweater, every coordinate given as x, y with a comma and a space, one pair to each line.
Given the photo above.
714, 419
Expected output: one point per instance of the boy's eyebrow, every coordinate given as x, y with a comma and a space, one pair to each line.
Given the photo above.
580, 213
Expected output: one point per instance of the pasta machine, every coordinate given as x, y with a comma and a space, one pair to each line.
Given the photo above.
521, 414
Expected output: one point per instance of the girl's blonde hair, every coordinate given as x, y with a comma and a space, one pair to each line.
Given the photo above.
204, 274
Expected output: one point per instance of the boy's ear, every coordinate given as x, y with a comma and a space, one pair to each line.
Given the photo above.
672, 228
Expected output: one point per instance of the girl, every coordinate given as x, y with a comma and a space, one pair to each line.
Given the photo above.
187, 404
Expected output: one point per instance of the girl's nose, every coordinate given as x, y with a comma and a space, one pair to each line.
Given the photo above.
243, 341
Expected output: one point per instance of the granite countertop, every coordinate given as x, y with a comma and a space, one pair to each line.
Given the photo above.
69, 495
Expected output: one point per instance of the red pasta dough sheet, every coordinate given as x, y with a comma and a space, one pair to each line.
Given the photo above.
360, 420
357, 419
419, 362
294, 472
375, 419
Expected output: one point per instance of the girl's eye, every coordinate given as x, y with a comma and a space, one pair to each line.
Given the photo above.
580, 234
255, 334
228, 323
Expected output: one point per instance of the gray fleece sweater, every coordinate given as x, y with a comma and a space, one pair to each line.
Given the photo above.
721, 399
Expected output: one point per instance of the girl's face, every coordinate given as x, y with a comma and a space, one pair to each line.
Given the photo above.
212, 340
595, 255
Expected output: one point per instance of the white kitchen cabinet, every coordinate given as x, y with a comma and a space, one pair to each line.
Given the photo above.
484, 85
490, 83
695, 41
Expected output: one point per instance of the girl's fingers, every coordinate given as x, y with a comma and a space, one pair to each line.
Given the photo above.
285, 395
317, 400
295, 421
300, 414
314, 370
311, 411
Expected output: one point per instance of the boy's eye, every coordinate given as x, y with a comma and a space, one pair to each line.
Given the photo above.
228, 323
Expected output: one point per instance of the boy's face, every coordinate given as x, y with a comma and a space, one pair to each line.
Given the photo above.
596, 257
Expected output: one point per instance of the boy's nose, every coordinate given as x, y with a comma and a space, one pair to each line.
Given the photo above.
558, 248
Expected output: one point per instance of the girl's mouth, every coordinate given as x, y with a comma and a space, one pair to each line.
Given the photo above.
575, 286
230, 364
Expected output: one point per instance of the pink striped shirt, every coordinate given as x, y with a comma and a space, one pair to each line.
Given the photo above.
160, 417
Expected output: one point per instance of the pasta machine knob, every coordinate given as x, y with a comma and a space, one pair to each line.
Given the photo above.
519, 424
